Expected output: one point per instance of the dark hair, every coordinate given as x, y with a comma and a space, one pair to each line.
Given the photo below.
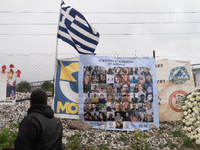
38, 96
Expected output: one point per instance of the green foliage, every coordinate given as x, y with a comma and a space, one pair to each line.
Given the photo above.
73, 142
161, 145
147, 145
47, 86
188, 142
123, 138
23, 86
7, 138
177, 133
104, 147
170, 144
136, 147
15, 125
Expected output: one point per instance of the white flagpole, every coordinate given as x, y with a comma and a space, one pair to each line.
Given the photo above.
56, 57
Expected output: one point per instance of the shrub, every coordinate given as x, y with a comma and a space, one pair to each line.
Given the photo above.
47, 85
23, 86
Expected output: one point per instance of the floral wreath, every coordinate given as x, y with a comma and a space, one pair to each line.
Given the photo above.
191, 115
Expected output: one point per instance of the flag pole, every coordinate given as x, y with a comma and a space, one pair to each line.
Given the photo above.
56, 56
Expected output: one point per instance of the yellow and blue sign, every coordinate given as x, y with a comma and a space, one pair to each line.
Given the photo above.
179, 75
66, 98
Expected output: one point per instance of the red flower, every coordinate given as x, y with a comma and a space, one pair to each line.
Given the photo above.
18, 73
3, 68
11, 66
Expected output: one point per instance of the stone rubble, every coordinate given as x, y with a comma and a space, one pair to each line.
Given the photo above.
157, 138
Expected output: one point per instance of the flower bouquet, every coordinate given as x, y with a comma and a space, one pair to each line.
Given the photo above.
191, 115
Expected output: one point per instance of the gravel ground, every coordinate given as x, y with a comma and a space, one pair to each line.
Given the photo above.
168, 136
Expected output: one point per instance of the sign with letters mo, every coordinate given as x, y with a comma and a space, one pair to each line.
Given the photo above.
119, 92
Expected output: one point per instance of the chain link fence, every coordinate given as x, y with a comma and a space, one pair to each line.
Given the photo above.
39, 69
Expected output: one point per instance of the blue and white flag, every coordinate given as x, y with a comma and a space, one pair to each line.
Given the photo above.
65, 103
75, 30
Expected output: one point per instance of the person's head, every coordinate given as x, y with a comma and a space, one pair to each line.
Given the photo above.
110, 115
148, 105
133, 77
102, 86
149, 89
95, 95
87, 116
118, 123
87, 106
118, 69
94, 79
149, 97
117, 106
101, 96
146, 70
133, 114
86, 79
125, 88
93, 106
110, 97
102, 77
12, 91
140, 87
140, 80
110, 87
95, 87
127, 114
94, 114
134, 106
149, 116
136, 86
126, 77
38, 96
126, 105
142, 116
144, 106
142, 97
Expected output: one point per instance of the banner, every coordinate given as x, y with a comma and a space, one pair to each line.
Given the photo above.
7, 88
197, 77
65, 102
119, 92
175, 80
3, 80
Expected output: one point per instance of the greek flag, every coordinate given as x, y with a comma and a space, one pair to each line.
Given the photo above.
75, 30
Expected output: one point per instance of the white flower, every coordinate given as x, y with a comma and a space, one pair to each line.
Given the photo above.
185, 113
192, 99
184, 107
189, 96
189, 111
189, 129
193, 94
197, 98
193, 114
197, 142
196, 112
189, 105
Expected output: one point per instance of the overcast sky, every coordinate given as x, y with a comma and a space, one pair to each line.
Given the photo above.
154, 27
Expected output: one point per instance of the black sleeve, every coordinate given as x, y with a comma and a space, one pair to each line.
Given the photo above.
28, 133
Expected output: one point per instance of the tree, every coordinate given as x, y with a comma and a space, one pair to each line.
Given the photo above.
46, 85
23, 86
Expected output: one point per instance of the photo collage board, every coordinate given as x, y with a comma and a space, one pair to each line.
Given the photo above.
121, 97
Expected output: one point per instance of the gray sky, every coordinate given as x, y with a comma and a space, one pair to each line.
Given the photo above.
165, 38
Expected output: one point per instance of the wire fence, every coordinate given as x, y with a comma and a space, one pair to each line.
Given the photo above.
37, 68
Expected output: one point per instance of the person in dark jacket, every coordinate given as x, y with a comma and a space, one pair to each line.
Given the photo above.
39, 129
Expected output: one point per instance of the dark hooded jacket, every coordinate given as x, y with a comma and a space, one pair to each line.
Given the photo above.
39, 130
